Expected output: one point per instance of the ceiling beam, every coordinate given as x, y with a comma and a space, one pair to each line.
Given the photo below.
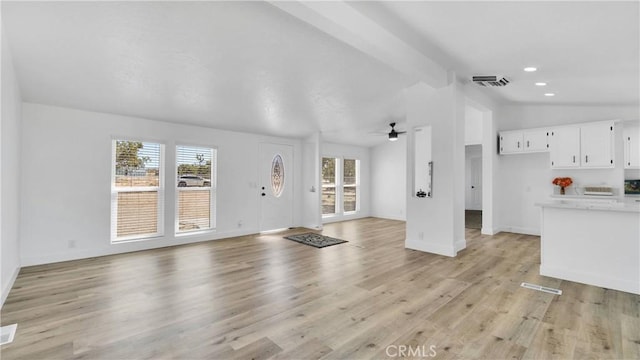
348, 25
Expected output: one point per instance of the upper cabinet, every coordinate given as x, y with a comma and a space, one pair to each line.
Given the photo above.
583, 146
564, 144
632, 147
510, 142
523, 141
535, 140
596, 145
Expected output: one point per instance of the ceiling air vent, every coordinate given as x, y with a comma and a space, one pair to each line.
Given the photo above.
491, 80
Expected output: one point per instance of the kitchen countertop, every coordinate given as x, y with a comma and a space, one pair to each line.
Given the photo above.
624, 205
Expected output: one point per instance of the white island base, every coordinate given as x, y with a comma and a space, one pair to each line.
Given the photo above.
595, 245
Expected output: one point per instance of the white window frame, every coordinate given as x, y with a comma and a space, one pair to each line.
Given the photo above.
213, 192
339, 185
117, 190
337, 208
357, 186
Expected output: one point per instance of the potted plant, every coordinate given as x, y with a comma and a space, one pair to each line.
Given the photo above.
563, 182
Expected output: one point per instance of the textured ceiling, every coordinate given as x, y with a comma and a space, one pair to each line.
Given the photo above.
587, 51
244, 66
249, 66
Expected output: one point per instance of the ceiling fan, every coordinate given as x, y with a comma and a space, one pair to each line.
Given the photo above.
393, 134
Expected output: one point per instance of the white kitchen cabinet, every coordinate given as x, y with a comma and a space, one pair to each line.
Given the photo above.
632, 147
511, 142
564, 144
582, 146
596, 145
535, 140
523, 141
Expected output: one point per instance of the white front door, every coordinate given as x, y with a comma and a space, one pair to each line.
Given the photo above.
276, 186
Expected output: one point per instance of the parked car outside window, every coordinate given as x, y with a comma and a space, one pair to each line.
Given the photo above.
193, 180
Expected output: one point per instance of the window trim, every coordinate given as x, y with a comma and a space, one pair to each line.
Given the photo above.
339, 185
160, 189
335, 184
213, 189
356, 185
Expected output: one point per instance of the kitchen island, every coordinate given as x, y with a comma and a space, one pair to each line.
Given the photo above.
593, 242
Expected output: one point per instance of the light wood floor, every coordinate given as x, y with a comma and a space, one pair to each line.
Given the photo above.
259, 297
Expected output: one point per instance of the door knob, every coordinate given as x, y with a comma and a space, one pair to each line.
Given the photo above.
473, 187
263, 194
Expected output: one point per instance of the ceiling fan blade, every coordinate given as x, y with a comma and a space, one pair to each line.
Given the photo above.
377, 133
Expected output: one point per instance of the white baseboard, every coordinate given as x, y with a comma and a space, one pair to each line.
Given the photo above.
390, 217
7, 287
460, 245
449, 251
629, 286
518, 230
338, 218
77, 254
489, 231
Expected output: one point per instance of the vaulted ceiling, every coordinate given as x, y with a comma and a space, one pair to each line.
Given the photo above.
338, 68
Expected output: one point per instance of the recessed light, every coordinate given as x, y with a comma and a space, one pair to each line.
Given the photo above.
549, 94
541, 84
530, 69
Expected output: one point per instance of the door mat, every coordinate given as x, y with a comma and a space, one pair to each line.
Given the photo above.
315, 240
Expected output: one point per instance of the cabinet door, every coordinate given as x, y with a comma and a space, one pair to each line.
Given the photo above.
632, 148
535, 140
511, 142
596, 145
564, 145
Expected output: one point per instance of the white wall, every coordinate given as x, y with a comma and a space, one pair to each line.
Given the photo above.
66, 172
362, 154
472, 126
311, 188
10, 172
389, 179
522, 180
436, 224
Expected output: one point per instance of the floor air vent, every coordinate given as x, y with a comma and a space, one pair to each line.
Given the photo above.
490, 80
7, 333
541, 288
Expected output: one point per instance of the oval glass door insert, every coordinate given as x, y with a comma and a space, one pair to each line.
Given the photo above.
277, 175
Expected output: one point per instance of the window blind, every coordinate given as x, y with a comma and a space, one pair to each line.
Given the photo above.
137, 196
195, 184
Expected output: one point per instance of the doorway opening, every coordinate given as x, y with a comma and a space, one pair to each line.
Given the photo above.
473, 186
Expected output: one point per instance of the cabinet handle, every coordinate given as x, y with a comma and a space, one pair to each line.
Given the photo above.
574, 159
527, 143
586, 158
518, 144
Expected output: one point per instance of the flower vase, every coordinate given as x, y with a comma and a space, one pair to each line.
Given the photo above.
561, 190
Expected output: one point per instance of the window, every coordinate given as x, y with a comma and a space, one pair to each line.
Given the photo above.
350, 184
277, 176
340, 186
137, 196
195, 192
329, 186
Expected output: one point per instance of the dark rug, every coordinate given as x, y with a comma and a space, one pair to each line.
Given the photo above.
473, 219
315, 240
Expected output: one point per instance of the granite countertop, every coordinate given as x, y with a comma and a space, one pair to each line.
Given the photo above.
621, 205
